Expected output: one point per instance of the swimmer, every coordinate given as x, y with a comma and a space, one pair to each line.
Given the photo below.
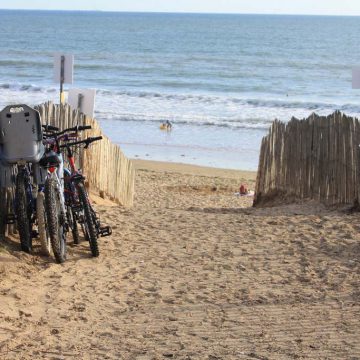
166, 126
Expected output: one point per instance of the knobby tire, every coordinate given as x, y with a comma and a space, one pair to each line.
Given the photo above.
73, 225
42, 225
88, 220
54, 221
22, 211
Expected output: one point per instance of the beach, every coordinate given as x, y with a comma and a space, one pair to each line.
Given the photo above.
192, 271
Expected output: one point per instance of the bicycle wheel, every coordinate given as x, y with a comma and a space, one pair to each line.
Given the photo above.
72, 221
23, 213
55, 219
89, 224
3, 213
42, 226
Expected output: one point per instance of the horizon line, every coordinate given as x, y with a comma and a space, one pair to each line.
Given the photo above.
181, 12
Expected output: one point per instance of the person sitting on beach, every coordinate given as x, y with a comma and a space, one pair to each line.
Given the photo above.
243, 190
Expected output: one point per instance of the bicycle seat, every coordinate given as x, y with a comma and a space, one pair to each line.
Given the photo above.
50, 159
20, 134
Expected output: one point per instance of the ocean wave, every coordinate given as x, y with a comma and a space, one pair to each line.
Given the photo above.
116, 67
209, 110
199, 99
256, 103
251, 123
26, 87
25, 63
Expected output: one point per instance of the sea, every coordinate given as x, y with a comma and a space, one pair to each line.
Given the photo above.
220, 79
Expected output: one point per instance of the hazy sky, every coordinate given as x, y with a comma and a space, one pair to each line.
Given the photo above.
325, 7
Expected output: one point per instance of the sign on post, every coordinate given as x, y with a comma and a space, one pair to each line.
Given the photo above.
356, 78
68, 67
83, 100
63, 71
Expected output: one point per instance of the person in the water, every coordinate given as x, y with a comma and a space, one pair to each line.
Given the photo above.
166, 125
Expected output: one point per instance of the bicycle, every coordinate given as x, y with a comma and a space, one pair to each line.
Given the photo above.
21, 147
79, 199
79, 209
54, 222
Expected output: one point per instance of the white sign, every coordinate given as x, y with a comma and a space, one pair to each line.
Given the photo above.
68, 66
82, 99
356, 78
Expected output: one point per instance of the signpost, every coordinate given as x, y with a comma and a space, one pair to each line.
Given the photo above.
83, 100
63, 71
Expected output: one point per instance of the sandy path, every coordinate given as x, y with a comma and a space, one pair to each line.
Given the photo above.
191, 273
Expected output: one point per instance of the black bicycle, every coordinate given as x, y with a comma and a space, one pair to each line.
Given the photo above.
78, 206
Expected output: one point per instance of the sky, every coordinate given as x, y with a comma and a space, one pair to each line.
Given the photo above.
311, 7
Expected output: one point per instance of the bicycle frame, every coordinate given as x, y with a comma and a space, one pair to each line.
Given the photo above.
74, 180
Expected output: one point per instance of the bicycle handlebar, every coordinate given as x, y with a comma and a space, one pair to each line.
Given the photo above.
75, 128
87, 142
52, 129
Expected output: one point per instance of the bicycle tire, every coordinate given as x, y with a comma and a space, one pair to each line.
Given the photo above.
73, 225
22, 211
88, 220
44, 237
3, 213
53, 214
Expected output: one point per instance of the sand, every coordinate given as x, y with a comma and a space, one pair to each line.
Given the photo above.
191, 272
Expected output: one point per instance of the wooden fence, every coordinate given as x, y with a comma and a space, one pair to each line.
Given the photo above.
106, 169
315, 158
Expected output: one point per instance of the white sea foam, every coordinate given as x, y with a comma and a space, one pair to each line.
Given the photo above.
195, 109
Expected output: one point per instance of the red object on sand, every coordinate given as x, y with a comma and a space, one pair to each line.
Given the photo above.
243, 190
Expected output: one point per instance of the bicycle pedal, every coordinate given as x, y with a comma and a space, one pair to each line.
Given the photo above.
105, 231
10, 219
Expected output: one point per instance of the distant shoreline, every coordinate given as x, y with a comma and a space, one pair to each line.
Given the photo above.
162, 166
